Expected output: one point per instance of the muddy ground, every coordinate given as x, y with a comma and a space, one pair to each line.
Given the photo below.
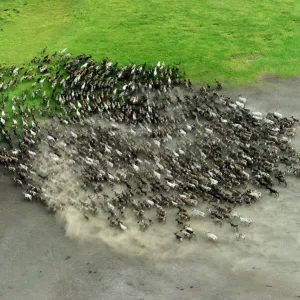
37, 261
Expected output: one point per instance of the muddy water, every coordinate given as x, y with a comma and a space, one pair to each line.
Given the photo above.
266, 265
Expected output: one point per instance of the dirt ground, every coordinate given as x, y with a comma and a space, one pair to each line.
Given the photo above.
37, 261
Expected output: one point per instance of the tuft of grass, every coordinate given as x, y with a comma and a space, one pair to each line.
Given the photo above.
234, 41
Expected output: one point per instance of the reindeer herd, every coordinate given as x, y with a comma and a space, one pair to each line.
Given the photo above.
141, 139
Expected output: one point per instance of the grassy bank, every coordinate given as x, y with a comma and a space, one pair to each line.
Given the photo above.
233, 41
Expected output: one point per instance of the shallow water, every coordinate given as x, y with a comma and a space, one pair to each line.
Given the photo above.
266, 265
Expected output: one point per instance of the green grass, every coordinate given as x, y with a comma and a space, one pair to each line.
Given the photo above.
235, 41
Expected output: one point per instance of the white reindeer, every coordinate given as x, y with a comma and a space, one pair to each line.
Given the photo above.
240, 104
242, 99
54, 156
197, 212
74, 135
171, 184
119, 152
31, 153
277, 115
122, 226
28, 196
245, 221
135, 167
15, 151
50, 138
161, 167
211, 236
110, 164
150, 202
156, 174
23, 167
182, 132
157, 143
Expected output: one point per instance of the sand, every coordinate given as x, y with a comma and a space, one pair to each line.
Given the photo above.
266, 265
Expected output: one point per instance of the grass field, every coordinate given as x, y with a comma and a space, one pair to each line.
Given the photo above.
234, 41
